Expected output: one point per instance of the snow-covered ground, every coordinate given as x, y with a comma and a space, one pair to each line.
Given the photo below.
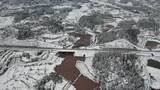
6, 21
23, 76
75, 15
15, 42
85, 70
119, 43
58, 40
20, 72
53, 36
156, 74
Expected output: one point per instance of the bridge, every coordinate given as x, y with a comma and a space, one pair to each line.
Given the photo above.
109, 50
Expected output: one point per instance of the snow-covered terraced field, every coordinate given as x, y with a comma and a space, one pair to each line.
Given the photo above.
126, 30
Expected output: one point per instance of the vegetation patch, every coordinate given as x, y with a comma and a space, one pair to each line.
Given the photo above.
118, 71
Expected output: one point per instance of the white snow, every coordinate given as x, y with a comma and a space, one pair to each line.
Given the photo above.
29, 42
89, 53
84, 69
60, 86
115, 23
114, 12
119, 43
61, 7
5, 21
75, 15
127, 4
156, 74
23, 76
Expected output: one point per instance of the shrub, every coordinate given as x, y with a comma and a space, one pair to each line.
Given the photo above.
93, 19
133, 35
51, 77
25, 34
107, 37
21, 16
118, 71
53, 25
149, 24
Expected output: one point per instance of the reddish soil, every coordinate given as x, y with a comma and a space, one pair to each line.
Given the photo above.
68, 70
83, 41
152, 44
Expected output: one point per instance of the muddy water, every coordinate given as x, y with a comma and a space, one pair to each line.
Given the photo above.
109, 68
68, 70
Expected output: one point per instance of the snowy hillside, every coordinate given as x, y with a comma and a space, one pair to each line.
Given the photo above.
121, 43
79, 24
